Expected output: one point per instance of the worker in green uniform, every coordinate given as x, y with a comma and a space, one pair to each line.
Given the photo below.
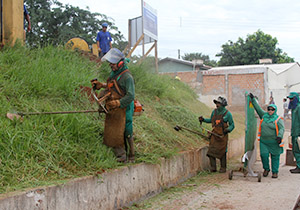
270, 134
118, 129
222, 123
294, 105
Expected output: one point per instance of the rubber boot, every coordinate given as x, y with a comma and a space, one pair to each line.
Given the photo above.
131, 149
120, 153
266, 173
295, 170
213, 164
223, 164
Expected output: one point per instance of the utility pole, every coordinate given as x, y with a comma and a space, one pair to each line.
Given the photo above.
178, 53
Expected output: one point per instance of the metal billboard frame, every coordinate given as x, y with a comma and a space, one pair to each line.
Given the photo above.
138, 35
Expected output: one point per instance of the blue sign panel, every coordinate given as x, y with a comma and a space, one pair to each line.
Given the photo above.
149, 21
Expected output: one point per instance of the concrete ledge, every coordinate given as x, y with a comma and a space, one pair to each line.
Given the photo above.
118, 187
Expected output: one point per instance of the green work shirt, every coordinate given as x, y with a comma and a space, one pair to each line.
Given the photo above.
268, 130
126, 83
227, 119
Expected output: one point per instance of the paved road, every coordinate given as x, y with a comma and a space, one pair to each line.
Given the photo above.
215, 191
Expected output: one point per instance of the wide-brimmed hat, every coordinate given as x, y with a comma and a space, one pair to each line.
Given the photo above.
220, 100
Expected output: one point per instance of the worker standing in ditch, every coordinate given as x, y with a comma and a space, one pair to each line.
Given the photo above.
294, 105
222, 123
118, 130
270, 134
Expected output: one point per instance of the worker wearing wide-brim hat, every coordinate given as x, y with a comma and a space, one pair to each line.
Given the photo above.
294, 105
270, 136
222, 123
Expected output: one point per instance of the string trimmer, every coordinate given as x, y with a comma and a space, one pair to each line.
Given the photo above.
20, 115
178, 128
102, 109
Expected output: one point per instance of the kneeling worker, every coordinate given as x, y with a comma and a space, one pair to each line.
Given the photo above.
222, 123
118, 130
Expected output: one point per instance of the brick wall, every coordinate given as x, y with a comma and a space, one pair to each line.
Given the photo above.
213, 85
186, 77
237, 84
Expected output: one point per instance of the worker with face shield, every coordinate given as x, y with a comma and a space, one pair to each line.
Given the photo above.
118, 130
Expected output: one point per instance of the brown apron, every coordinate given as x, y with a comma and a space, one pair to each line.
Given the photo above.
217, 145
115, 119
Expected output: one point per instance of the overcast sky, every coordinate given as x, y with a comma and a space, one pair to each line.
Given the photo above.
204, 25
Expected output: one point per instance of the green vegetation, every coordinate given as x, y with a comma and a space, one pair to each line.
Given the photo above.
256, 46
55, 23
50, 149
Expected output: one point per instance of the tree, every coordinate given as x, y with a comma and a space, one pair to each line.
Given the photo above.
256, 46
54, 23
199, 56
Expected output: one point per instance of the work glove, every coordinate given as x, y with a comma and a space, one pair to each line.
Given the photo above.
113, 104
97, 85
225, 132
251, 95
201, 119
278, 139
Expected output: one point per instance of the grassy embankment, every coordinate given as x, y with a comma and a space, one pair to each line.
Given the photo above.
50, 149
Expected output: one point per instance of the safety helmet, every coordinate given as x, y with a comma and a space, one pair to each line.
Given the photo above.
113, 56
221, 100
104, 24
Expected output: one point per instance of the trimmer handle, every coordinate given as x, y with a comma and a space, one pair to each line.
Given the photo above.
94, 85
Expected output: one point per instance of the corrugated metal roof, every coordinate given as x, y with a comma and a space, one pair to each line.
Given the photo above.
255, 68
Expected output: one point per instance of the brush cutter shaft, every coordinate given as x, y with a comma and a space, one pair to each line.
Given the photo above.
177, 127
63, 112
208, 131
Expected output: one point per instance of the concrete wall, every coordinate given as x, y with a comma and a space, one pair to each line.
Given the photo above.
13, 17
117, 188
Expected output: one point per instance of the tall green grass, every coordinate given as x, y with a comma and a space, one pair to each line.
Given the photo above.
49, 149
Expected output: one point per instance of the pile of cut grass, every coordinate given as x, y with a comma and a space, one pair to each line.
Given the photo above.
49, 149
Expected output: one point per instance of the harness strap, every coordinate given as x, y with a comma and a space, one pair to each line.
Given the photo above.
277, 130
114, 83
259, 130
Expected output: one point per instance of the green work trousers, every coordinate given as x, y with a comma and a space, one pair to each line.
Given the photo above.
296, 150
274, 162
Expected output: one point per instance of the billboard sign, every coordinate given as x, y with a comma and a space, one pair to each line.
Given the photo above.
149, 20
136, 31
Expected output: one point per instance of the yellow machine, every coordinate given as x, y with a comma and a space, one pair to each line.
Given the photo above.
77, 44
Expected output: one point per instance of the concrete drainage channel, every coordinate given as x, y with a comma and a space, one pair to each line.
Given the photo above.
116, 188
